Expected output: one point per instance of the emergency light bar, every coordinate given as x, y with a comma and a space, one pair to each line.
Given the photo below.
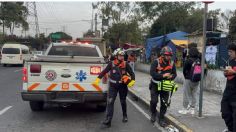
76, 42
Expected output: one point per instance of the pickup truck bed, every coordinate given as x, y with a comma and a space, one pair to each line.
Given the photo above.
63, 79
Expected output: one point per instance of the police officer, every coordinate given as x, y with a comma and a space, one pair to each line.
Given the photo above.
161, 69
228, 102
120, 76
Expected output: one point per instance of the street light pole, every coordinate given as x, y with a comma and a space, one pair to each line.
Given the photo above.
203, 56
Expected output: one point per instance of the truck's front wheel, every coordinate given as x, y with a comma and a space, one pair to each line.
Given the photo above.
36, 105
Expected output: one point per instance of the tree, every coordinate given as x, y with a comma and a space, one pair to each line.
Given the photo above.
124, 32
232, 27
89, 33
124, 29
169, 17
194, 20
152, 10
166, 16
226, 15
14, 14
113, 10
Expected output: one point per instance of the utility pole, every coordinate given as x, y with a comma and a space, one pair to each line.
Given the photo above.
36, 20
32, 9
203, 56
63, 28
94, 6
46, 31
3, 21
96, 22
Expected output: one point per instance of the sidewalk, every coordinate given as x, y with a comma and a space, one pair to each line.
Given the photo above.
211, 121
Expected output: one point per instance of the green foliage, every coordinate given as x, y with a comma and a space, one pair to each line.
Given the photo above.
14, 14
113, 10
232, 26
193, 21
212, 66
156, 9
167, 16
124, 32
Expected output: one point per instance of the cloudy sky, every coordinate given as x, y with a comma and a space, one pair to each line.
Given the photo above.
75, 17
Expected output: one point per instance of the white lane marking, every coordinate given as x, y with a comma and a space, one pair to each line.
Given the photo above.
5, 109
145, 114
18, 70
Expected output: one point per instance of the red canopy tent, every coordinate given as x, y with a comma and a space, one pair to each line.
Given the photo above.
127, 46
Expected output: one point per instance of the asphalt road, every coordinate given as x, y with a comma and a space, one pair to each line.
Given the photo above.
16, 116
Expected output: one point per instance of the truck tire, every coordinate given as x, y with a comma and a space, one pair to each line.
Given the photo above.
36, 105
101, 107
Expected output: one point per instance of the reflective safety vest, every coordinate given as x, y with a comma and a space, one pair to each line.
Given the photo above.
166, 68
167, 85
161, 68
117, 71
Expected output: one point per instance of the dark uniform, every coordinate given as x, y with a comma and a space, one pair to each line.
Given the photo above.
116, 70
157, 75
228, 103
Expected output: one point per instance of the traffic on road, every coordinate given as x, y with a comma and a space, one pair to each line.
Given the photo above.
163, 66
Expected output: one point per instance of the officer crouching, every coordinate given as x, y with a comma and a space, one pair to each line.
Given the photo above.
162, 70
120, 76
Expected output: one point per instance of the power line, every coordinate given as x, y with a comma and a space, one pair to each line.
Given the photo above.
32, 9
46, 30
65, 22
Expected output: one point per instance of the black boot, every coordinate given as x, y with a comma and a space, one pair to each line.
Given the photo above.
106, 123
153, 117
162, 123
125, 119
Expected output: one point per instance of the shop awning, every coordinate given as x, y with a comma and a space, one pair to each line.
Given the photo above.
181, 43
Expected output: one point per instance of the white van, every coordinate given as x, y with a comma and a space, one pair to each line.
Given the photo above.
14, 54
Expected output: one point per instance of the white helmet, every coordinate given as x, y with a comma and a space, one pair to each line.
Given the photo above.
119, 51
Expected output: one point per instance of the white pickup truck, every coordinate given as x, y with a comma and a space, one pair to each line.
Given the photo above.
64, 75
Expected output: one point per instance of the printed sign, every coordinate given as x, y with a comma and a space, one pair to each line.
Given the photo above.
65, 86
81, 76
50, 75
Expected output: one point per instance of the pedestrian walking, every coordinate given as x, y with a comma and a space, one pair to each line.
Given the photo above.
191, 82
162, 69
228, 102
131, 60
120, 76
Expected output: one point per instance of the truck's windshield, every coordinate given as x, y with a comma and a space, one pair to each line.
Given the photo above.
73, 51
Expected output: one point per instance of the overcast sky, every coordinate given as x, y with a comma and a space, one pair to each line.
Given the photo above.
75, 17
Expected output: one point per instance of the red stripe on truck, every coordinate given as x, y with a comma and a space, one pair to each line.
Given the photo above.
33, 86
79, 87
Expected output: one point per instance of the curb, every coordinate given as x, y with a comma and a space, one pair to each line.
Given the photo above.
170, 119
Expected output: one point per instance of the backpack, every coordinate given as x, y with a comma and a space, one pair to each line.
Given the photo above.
196, 70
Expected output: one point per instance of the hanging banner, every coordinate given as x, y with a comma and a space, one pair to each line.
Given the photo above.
211, 54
